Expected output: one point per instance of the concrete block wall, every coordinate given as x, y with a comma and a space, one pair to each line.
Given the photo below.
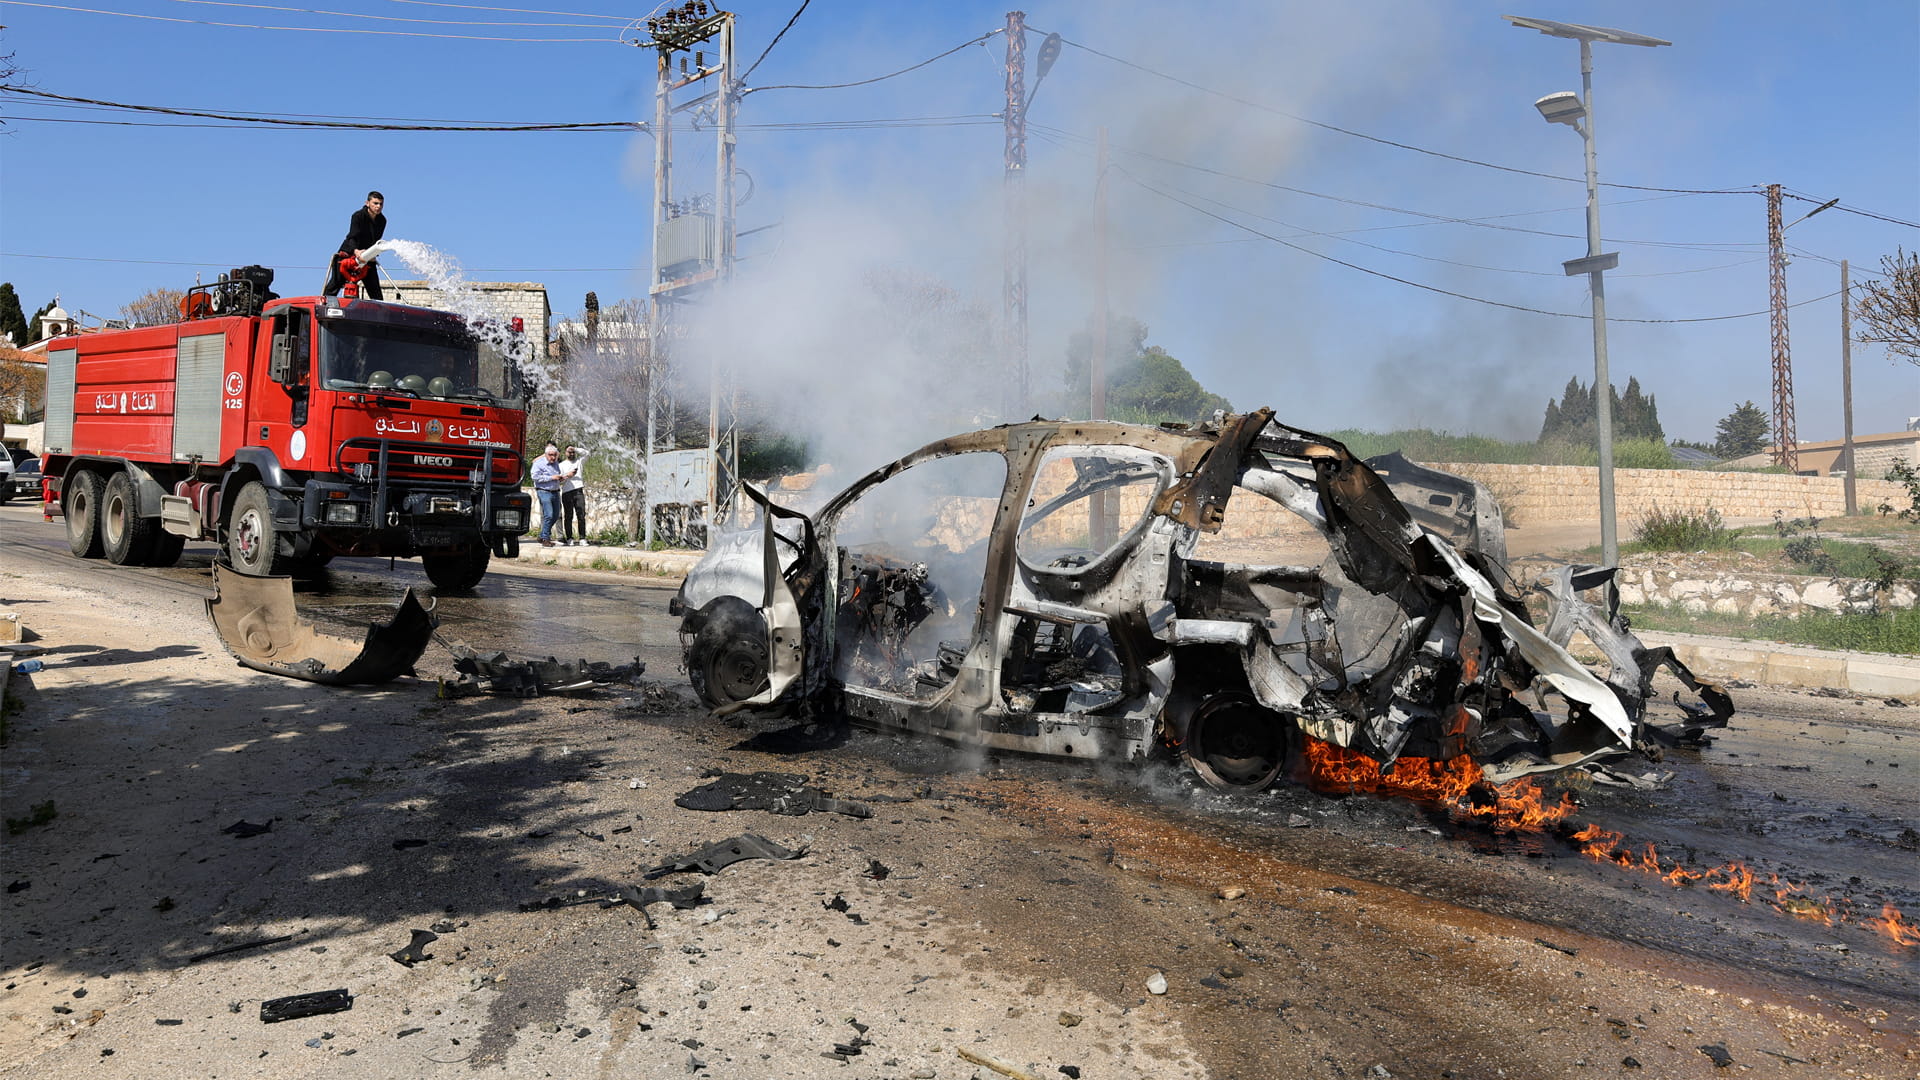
1570, 494
524, 300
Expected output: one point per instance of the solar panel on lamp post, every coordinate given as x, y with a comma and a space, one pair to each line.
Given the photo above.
1576, 111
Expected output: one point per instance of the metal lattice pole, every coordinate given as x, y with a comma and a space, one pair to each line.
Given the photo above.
1014, 293
1786, 446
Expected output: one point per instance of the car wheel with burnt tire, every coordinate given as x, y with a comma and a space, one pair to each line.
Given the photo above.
1234, 743
727, 661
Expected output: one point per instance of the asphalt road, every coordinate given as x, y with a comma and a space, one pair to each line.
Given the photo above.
1300, 933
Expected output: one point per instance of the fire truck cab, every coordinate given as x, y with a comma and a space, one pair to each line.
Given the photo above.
290, 431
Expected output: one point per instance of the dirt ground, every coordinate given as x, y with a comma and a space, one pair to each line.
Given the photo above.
985, 921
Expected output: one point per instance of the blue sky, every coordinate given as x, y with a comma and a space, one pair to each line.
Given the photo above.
1822, 99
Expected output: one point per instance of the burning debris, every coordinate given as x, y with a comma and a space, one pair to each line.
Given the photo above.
1041, 588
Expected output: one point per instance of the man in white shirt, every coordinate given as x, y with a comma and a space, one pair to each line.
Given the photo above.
573, 497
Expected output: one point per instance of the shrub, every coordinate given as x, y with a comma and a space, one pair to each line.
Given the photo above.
1683, 530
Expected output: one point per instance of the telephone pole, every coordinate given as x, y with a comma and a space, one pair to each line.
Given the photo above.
1014, 290
693, 238
1786, 445
1846, 388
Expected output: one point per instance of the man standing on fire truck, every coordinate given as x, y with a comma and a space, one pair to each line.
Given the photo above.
364, 230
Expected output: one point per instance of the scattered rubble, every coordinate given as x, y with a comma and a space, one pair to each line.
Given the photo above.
415, 951
724, 853
780, 793
296, 1006
497, 673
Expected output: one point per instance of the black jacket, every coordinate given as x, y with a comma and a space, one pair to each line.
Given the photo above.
364, 230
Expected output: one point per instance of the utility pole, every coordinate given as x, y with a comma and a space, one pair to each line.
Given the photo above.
1098, 366
1846, 388
1786, 445
1104, 506
693, 239
1014, 290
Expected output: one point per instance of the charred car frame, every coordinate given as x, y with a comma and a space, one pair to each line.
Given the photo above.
1049, 588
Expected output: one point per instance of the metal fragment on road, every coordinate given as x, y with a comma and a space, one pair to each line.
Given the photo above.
295, 1006
780, 793
415, 951
724, 853
497, 673
259, 624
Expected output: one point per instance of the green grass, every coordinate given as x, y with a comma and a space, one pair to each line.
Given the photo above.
1889, 632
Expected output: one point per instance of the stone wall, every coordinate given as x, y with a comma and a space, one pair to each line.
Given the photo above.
1646, 580
524, 300
1570, 494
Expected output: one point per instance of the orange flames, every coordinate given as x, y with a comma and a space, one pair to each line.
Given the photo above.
1740, 881
1898, 928
1458, 785
1455, 783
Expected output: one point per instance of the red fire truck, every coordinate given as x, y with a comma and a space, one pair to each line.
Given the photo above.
290, 431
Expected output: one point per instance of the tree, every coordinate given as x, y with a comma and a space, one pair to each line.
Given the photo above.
154, 307
23, 385
33, 321
1636, 415
1741, 432
13, 321
1145, 384
1889, 309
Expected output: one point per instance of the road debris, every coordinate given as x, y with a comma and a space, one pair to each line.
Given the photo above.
415, 951
995, 1064
259, 625
244, 829
295, 1006
256, 943
1156, 983
635, 897
724, 853
1718, 1053
781, 793
497, 673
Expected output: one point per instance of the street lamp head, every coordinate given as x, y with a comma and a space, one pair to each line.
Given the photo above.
1564, 107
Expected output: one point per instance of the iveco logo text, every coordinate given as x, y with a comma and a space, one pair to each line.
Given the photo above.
431, 459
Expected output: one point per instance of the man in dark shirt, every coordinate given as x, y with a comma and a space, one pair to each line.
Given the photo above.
364, 230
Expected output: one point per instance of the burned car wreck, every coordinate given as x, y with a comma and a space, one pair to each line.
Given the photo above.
1070, 589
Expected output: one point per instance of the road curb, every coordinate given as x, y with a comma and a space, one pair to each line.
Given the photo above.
1776, 664
674, 564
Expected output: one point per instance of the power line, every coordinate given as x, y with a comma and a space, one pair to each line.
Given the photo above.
1385, 142
1856, 210
1431, 218
381, 18
748, 74
320, 121
240, 119
877, 78
620, 19
313, 29
1434, 288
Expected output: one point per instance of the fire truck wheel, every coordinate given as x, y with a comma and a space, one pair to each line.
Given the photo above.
458, 572
252, 547
127, 537
1236, 744
728, 659
80, 502
166, 549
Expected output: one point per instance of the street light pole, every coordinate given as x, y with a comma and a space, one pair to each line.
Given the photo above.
1596, 284
1564, 108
